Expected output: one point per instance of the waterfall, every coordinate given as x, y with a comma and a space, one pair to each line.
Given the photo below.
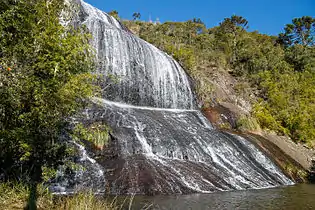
145, 75
87, 175
162, 143
179, 152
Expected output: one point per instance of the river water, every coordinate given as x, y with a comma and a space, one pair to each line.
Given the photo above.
291, 197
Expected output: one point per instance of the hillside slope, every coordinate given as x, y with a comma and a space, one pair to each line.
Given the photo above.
245, 81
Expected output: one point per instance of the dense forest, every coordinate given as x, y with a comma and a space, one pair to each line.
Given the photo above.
278, 70
44, 79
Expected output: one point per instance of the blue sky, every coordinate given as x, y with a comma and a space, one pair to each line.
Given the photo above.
266, 16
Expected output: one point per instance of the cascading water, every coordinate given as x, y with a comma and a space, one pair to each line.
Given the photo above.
146, 76
161, 143
87, 175
178, 151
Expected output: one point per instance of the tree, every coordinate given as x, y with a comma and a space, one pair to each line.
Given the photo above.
282, 80
299, 40
301, 31
198, 21
136, 16
114, 14
230, 25
200, 27
47, 83
302, 58
233, 27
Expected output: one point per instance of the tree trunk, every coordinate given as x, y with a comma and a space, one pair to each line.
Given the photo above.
36, 175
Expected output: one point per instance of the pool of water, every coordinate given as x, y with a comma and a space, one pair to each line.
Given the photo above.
286, 198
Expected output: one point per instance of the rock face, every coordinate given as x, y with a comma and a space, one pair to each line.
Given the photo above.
177, 151
161, 143
294, 165
145, 76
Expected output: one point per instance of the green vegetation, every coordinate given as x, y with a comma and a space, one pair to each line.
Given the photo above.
247, 123
96, 133
136, 16
278, 71
296, 173
44, 79
15, 197
301, 32
114, 14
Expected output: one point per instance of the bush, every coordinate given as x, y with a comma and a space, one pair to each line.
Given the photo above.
96, 133
265, 119
247, 123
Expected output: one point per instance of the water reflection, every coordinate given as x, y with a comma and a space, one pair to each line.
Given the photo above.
286, 198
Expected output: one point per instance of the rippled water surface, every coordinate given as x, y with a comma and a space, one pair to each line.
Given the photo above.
286, 198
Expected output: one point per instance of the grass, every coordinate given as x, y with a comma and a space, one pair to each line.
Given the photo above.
84, 201
15, 196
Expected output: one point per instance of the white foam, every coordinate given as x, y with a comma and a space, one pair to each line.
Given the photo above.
127, 106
